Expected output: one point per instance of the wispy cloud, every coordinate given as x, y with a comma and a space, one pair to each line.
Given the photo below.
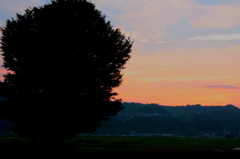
149, 21
163, 42
217, 37
224, 87
157, 35
133, 34
149, 18
171, 41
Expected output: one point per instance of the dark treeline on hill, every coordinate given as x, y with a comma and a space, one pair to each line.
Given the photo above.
185, 120
143, 108
154, 118
188, 109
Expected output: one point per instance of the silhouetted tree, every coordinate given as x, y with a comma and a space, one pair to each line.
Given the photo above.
64, 60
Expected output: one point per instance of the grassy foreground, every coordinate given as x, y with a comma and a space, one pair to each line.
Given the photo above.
126, 147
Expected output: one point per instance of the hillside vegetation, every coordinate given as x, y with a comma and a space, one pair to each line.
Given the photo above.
182, 120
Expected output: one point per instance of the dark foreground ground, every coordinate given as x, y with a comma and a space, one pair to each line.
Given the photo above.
125, 147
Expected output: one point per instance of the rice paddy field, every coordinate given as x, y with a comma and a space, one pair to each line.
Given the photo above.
125, 147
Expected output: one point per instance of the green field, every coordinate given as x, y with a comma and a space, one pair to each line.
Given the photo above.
126, 147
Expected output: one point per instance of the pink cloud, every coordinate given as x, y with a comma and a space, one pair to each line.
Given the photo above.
2, 72
223, 87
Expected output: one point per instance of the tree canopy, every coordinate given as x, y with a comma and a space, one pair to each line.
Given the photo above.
63, 61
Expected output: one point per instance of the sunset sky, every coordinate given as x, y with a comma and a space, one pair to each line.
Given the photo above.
184, 51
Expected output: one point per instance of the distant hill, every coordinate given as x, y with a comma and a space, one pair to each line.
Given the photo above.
154, 118
143, 108
188, 109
